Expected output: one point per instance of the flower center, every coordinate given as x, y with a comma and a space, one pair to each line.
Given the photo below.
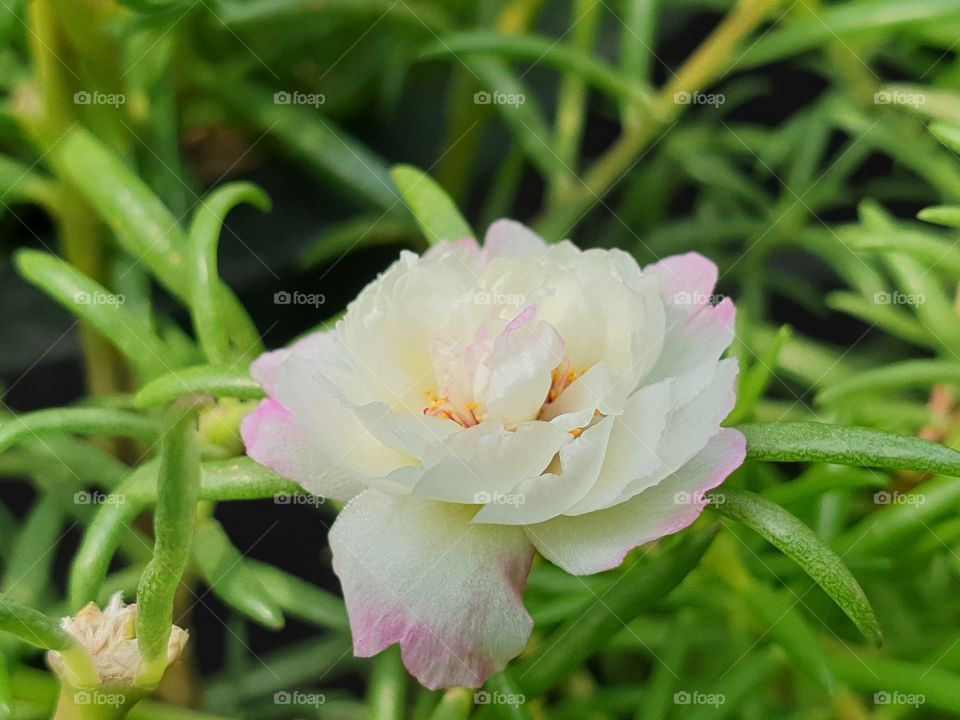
439, 405
563, 376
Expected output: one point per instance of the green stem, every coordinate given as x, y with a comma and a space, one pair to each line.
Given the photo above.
572, 100
178, 492
79, 228
386, 694
710, 61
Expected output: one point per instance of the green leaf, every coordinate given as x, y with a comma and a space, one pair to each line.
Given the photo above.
178, 490
31, 626
934, 686
97, 306
567, 58
233, 479
890, 529
297, 665
846, 445
933, 307
837, 22
83, 421
456, 704
433, 209
39, 630
231, 579
821, 479
896, 376
754, 382
800, 543
386, 692
211, 310
948, 134
100, 541
360, 232
311, 139
584, 634
21, 183
780, 615
26, 577
896, 322
505, 686
142, 224
523, 118
216, 380
156, 7
948, 215
300, 599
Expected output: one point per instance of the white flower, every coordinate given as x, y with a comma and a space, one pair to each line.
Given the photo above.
476, 404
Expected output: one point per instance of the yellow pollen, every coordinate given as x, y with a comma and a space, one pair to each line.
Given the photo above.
562, 377
439, 406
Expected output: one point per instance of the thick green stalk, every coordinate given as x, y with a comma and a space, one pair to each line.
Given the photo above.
178, 491
80, 230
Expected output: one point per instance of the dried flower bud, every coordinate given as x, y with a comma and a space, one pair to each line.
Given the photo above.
109, 637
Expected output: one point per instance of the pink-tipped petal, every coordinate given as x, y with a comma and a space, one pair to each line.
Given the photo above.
600, 540
272, 438
418, 573
264, 369
687, 279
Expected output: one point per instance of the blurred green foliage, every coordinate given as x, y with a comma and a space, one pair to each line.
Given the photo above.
810, 148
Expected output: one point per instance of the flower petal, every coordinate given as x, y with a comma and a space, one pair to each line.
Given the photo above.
519, 366
483, 460
600, 540
418, 573
689, 427
272, 438
540, 498
508, 238
264, 369
697, 332
632, 450
332, 425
